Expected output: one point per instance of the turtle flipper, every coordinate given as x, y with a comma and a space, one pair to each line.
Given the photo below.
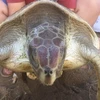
92, 54
86, 53
18, 65
31, 75
12, 41
12, 35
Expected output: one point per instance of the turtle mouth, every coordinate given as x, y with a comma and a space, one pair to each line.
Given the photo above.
47, 80
47, 77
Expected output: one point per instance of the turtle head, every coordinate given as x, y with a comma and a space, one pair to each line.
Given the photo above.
46, 53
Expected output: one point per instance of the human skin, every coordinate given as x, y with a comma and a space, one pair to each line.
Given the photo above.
88, 10
15, 6
3, 11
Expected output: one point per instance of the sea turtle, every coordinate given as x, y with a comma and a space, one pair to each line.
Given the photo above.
45, 38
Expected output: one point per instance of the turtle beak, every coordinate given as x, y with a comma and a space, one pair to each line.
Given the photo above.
47, 76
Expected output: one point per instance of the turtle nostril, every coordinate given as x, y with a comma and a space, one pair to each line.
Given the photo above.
48, 71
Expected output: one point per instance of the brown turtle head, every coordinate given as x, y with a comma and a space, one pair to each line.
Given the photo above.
47, 52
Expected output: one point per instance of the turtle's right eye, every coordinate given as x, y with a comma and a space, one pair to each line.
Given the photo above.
32, 57
34, 60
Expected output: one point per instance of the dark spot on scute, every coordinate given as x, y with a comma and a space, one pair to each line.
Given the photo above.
47, 34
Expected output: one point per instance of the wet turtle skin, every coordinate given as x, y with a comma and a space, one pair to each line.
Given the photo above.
45, 38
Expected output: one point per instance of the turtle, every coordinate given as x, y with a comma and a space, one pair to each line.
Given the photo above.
44, 38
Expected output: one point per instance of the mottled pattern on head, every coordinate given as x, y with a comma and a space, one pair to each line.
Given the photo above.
47, 46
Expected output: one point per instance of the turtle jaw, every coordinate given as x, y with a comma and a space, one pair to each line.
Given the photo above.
47, 76
47, 79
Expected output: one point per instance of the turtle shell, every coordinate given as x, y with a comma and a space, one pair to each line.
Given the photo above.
49, 6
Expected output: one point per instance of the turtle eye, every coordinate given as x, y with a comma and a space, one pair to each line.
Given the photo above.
34, 60
32, 57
